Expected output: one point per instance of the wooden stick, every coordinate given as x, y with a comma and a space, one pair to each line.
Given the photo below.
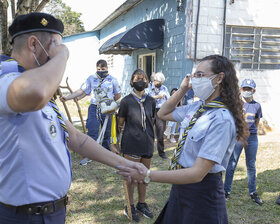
126, 196
77, 104
65, 106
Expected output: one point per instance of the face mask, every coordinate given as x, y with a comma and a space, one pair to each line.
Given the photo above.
140, 85
158, 85
48, 57
102, 74
247, 94
203, 87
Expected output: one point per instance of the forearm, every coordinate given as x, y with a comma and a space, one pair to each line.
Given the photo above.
78, 93
170, 105
182, 176
87, 147
34, 88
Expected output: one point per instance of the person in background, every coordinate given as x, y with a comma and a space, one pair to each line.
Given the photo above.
171, 126
188, 98
278, 200
35, 167
160, 93
253, 113
215, 122
102, 82
136, 119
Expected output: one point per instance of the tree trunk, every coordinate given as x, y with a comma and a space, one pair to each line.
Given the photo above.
4, 46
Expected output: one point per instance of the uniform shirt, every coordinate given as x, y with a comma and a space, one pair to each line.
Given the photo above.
135, 140
253, 111
212, 137
157, 91
109, 84
34, 160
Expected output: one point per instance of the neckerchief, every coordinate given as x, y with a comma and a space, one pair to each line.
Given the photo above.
140, 102
216, 103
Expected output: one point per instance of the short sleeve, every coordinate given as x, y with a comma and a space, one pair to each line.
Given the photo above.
259, 112
86, 86
216, 141
5, 82
116, 87
180, 112
123, 108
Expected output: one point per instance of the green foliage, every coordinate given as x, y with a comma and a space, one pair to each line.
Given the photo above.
72, 21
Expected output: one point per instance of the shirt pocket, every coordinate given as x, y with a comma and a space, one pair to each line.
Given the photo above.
50, 125
195, 139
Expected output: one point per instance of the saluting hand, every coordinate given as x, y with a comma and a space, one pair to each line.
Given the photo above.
185, 84
56, 47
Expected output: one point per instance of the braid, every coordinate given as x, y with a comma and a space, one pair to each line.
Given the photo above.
230, 93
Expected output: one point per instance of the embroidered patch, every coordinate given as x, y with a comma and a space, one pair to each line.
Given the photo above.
52, 130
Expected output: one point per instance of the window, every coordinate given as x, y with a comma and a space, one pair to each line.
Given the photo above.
146, 62
253, 47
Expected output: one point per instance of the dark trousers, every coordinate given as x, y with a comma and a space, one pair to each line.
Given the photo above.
11, 216
94, 125
160, 128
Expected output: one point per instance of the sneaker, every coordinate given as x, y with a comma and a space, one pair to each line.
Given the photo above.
173, 140
163, 156
255, 197
85, 161
278, 200
227, 195
134, 214
144, 209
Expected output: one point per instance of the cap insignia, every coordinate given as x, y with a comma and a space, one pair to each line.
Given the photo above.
44, 22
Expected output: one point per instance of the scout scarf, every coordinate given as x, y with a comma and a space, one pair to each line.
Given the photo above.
9, 65
216, 103
140, 102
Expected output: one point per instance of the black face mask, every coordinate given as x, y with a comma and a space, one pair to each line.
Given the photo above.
140, 85
102, 74
158, 85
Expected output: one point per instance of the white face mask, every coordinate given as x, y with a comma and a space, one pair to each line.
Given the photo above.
48, 57
203, 87
247, 94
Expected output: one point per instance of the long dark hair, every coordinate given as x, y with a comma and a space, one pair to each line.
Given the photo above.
230, 93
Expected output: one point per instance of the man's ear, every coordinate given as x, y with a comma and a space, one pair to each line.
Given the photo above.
31, 43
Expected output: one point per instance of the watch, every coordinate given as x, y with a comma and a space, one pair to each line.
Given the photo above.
147, 177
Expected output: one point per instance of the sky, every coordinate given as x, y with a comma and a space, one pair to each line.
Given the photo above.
93, 11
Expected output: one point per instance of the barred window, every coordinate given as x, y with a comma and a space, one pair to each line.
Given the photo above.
254, 47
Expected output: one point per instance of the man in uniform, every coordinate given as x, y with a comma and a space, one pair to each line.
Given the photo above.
35, 165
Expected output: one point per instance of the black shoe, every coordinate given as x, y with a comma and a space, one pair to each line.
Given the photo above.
255, 197
227, 195
144, 209
134, 214
163, 156
278, 200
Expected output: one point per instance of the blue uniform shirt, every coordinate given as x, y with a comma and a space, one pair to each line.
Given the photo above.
109, 84
253, 111
212, 137
34, 160
161, 90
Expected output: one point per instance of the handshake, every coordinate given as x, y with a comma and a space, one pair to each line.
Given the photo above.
134, 172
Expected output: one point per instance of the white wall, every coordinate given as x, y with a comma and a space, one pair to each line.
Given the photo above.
81, 62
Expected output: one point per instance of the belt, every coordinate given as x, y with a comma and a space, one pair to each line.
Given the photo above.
40, 208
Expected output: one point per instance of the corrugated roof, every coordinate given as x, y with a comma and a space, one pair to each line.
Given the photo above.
125, 7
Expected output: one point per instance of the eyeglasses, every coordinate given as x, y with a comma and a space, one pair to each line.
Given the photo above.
201, 74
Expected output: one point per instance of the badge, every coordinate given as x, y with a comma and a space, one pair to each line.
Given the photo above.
52, 130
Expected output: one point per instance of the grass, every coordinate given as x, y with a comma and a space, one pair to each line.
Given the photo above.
96, 194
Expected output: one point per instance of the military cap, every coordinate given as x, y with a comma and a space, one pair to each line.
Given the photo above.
34, 22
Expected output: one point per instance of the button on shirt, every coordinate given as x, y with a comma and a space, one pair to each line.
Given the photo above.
158, 91
109, 84
34, 160
212, 137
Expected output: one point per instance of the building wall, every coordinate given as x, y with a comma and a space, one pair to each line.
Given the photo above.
243, 13
171, 58
83, 49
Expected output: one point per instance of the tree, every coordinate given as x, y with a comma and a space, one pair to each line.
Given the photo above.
71, 19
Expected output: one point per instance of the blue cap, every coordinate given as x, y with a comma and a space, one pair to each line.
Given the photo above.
248, 83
